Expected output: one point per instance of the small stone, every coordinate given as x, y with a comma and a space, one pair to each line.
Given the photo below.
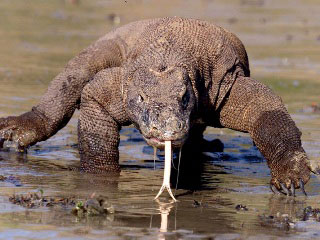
196, 203
291, 225
2, 178
241, 207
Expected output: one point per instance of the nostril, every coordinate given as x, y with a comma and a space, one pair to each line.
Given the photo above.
179, 126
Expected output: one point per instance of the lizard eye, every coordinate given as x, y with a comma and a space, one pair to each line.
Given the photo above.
140, 99
185, 100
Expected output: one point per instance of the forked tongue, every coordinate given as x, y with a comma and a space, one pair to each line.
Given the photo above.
167, 171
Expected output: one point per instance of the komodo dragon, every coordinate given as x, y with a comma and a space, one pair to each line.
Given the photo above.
170, 77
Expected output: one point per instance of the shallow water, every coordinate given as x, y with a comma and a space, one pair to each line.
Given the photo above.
38, 37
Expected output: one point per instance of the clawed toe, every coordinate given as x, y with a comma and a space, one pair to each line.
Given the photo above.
285, 189
315, 170
302, 187
6, 134
288, 191
10, 135
293, 190
2, 140
275, 190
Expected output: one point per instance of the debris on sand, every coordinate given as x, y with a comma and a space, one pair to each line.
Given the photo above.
11, 179
310, 213
196, 203
313, 108
284, 221
36, 200
199, 204
241, 207
280, 221
93, 207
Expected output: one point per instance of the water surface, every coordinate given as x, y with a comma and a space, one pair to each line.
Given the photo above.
37, 39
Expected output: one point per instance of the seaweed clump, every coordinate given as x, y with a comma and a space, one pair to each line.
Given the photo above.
93, 207
310, 213
36, 200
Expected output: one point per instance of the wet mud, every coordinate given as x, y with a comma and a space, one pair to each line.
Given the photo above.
222, 191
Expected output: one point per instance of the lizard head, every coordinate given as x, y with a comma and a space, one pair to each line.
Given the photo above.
160, 101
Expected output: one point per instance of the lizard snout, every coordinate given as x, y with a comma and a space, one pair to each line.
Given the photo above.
173, 127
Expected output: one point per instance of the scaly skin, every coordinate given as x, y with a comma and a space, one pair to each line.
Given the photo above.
171, 78
271, 128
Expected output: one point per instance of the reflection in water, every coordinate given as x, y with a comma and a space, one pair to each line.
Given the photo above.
191, 173
164, 209
286, 205
188, 173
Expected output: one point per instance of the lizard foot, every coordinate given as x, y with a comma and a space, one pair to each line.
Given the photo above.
290, 173
23, 131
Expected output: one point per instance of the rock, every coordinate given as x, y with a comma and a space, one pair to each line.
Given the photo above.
241, 207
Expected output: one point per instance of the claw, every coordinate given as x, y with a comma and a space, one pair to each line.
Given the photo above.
2, 140
287, 192
293, 190
316, 171
275, 190
7, 133
314, 167
302, 187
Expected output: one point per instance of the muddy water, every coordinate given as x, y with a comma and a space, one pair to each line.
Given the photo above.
36, 40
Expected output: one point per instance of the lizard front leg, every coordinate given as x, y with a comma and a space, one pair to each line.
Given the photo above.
252, 107
101, 116
63, 95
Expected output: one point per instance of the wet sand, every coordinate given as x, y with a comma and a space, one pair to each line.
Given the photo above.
37, 38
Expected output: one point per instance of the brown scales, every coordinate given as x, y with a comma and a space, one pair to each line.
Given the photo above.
171, 78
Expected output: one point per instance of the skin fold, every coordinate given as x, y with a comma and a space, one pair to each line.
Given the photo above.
170, 77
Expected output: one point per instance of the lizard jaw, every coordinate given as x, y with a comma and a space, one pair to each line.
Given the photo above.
158, 143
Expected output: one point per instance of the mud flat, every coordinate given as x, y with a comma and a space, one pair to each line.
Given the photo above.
222, 195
